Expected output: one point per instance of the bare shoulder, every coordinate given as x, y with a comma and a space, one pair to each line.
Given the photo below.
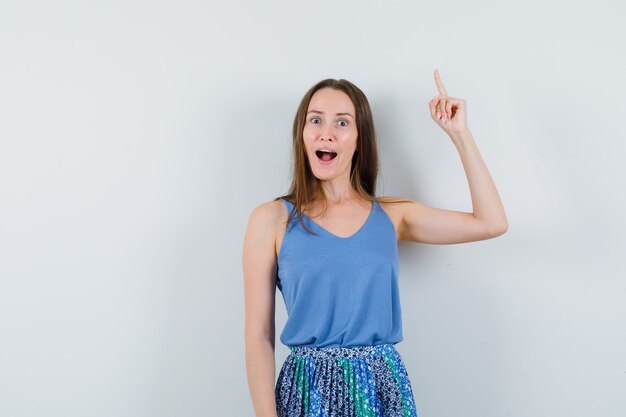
267, 210
267, 215
264, 224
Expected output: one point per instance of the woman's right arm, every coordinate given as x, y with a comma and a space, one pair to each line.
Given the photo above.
259, 271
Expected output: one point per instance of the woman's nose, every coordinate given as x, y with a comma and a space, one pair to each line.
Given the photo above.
327, 133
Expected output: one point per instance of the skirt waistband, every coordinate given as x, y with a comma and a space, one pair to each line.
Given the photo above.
344, 352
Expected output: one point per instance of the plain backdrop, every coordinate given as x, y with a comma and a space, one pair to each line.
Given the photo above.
136, 137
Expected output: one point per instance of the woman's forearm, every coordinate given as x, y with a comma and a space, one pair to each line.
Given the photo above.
261, 371
486, 202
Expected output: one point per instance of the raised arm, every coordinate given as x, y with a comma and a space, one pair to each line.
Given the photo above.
259, 271
426, 224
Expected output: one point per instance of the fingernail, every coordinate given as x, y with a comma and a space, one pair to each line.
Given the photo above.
439, 115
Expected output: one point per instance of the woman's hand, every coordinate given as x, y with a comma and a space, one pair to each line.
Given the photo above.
448, 112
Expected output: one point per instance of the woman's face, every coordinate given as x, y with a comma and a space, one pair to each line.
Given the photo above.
330, 125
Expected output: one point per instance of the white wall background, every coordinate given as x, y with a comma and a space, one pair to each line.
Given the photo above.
137, 136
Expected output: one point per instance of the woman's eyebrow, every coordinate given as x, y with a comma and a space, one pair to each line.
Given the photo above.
338, 114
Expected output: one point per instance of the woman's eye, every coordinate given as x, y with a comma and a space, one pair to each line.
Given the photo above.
315, 120
343, 121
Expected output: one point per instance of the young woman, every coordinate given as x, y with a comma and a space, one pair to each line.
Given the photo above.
330, 246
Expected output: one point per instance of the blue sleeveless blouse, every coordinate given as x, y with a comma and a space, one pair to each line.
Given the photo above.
340, 292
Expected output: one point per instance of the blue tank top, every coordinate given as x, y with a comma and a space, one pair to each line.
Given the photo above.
340, 292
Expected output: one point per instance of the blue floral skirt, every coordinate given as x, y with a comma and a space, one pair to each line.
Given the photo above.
344, 382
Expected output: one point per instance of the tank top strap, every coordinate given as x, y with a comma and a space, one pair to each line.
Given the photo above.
287, 202
290, 206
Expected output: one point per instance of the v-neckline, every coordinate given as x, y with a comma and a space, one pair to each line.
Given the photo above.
367, 220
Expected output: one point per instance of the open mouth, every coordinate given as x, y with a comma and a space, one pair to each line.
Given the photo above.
325, 155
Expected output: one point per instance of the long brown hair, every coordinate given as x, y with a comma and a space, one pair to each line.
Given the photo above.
305, 186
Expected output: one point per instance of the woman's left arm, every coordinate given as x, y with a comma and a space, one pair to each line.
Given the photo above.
426, 224
486, 203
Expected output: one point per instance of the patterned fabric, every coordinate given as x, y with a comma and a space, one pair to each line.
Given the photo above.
368, 381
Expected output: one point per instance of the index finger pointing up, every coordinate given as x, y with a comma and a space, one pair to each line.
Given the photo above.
440, 87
